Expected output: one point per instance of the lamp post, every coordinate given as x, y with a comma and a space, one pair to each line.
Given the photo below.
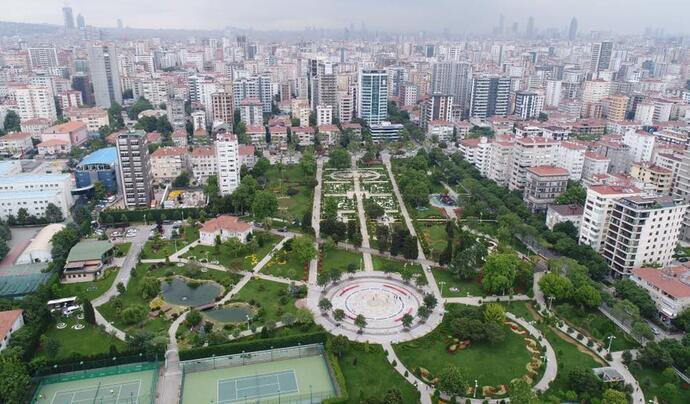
475, 389
611, 338
443, 284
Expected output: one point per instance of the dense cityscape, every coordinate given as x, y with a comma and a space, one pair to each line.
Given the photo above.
344, 215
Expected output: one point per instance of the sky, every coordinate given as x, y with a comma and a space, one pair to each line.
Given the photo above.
458, 16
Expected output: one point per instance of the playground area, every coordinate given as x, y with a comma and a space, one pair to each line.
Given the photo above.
124, 384
285, 375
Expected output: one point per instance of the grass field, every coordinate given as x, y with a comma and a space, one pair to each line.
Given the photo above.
123, 248
455, 287
89, 341
88, 290
341, 259
164, 248
436, 238
368, 374
285, 265
226, 257
598, 326
292, 177
268, 296
430, 213
569, 354
490, 364
397, 266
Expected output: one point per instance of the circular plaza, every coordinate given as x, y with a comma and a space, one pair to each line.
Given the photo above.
383, 301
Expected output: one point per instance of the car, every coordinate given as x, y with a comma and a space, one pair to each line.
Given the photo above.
683, 259
656, 331
283, 229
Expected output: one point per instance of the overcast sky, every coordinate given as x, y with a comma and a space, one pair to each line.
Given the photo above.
624, 16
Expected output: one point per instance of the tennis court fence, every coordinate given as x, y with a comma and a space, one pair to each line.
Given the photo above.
100, 372
248, 358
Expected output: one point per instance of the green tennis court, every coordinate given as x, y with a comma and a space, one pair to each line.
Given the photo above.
260, 386
100, 386
293, 380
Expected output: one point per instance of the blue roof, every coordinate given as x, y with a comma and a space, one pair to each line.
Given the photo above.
6, 167
107, 155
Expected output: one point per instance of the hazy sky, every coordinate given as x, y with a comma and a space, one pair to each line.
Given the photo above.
625, 16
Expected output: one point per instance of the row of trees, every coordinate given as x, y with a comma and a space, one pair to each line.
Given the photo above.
53, 214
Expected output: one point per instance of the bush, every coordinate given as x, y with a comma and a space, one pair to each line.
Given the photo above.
257, 345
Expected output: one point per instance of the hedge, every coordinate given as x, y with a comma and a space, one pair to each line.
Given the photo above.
82, 362
334, 365
152, 215
250, 346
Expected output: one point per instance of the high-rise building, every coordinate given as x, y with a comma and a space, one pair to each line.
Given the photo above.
105, 74
82, 83
597, 212
35, 102
135, 168
490, 96
257, 86
553, 93
529, 31
528, 104
251, 112
601, 56
408, 94
642, 231
68, 17
227, 157
454, 78
223, 109
324, 115
43, 58
572, 31
346, 106
438, 107
81, 23
372, 96
615, 107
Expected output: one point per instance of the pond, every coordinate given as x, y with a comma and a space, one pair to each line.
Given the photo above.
235, 313
180, 292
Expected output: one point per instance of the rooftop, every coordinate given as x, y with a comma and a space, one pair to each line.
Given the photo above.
225, 222
674, 280
169, 151
67, 127
106, 155
567, 210
7, 319
87, 250
548, 171
34, 178
16, 136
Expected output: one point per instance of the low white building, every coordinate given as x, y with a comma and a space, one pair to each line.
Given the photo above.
225, 227
563, 213
39, 250
16, 143
442, 130
10, 322
169, 162
668, 287
204, 163
34, 192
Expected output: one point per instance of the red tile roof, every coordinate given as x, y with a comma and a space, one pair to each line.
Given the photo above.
246, 150
204, 151
227, 223
67, 127
7, 319
672, 280
169, 151
548, 171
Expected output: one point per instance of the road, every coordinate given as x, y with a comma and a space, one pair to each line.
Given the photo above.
359, 196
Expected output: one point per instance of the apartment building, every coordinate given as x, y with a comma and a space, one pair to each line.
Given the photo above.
543, 185
657, 180
571, 156
227, 157
669, 288
169, 162
597, 212
203, 162
135, 168
93, 118
530, 152
642, 230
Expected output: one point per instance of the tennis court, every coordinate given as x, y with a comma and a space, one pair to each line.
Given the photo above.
113, 385
256, 377
260, 386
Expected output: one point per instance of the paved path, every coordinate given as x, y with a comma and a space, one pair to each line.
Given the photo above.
316, 206
170, 381
359, 196
617, 363
478, 300
424, 390
551, 362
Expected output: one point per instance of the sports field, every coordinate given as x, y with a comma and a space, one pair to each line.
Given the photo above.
294, 380
126, 387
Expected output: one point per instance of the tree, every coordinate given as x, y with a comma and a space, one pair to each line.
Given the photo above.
624, 310
521, 393
430, 301
335, 274
567, 228
668, 393
14, 379
338, 314
555, 286
120, 288
423, 312
642, 329
587, 296
12, 122
265, 205
382, 236
89, 313
452, 381
574, 194
182, 180
407, 320
51, 347
611, 396
150, 287
494, 312
303, 249
140, 105
193, 318
499, 273
330, 209
325, 304
133, 314
338, 345
393, 396
406, 274
360, 322
53, 214
339, 158
323, 278
583, 380
628, 290
373, 209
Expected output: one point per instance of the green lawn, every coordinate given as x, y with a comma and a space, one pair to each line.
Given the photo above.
122, 248
227, 257
490, 364
397, 266
436, 238
598, 326
285, 265
368, 374
292, 177
459, 287
88, 290
429, 213
651, 382
163, 248
568, 355
89, 341
268, 295
341, 259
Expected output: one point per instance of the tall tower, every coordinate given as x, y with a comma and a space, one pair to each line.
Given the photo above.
68, 17
529, 32
490, 96
135, 168
105, 75
227, 155
81, 23
601, 56
372, 96
572, 32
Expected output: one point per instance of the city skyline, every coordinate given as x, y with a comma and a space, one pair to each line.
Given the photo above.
454, 17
